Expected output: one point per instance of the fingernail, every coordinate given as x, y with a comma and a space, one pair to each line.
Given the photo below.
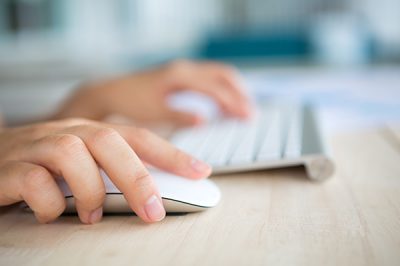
96, 215
200, 166
154, 209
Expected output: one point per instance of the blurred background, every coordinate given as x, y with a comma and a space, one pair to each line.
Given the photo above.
48, 46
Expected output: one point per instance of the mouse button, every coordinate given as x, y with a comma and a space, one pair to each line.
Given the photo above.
197, 192
207, 192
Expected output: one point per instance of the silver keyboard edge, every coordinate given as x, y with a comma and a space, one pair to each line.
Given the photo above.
315, 158
318, 167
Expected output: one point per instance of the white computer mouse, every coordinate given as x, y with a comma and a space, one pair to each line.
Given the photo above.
178, 194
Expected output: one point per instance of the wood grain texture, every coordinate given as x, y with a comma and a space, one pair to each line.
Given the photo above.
272, 217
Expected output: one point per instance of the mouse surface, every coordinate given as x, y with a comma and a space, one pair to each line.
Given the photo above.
178, 194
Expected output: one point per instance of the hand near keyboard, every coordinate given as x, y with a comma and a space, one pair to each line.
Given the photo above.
143, 96
32, 156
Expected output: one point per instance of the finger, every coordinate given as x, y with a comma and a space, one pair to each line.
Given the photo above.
20, 181
182, 118
162, 154
228, 73
223, 97
230, 78
206, 78
124, 168
67, 155
213, 88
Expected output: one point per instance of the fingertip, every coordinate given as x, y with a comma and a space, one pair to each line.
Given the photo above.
244, 110
154, 209
194, 121
96, 216
43, 219
200, 169
248, 112
90, 216
186, 119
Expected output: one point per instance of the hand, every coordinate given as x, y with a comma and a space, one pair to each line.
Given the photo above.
142, 96
32, 156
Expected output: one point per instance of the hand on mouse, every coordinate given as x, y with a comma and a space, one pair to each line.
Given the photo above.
32, 156
142, 96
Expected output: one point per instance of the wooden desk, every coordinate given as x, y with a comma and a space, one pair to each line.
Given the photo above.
274, 217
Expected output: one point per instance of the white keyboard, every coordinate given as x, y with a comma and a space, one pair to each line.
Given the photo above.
279, 135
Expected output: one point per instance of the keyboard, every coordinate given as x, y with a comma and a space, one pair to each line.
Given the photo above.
279, 135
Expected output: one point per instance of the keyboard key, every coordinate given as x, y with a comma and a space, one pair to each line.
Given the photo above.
220, 145
245, 144
294, 133
192, 140
275, 132
271, 143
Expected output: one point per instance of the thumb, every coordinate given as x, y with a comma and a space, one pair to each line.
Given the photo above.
184, 118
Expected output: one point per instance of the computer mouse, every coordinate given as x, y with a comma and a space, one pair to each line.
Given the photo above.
195, 103
179, 195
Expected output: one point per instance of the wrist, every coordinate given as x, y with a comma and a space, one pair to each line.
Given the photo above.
86, 102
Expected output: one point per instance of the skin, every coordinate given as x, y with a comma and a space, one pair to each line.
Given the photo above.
142, 96
33, 156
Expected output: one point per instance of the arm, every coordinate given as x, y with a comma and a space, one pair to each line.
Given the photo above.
32, 156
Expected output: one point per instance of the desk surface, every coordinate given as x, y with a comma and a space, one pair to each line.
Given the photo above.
272, 217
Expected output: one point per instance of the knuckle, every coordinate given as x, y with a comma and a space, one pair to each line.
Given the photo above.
179, 66
143, 181
69, 145
104, 134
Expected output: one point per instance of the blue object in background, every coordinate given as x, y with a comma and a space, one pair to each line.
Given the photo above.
273, 45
